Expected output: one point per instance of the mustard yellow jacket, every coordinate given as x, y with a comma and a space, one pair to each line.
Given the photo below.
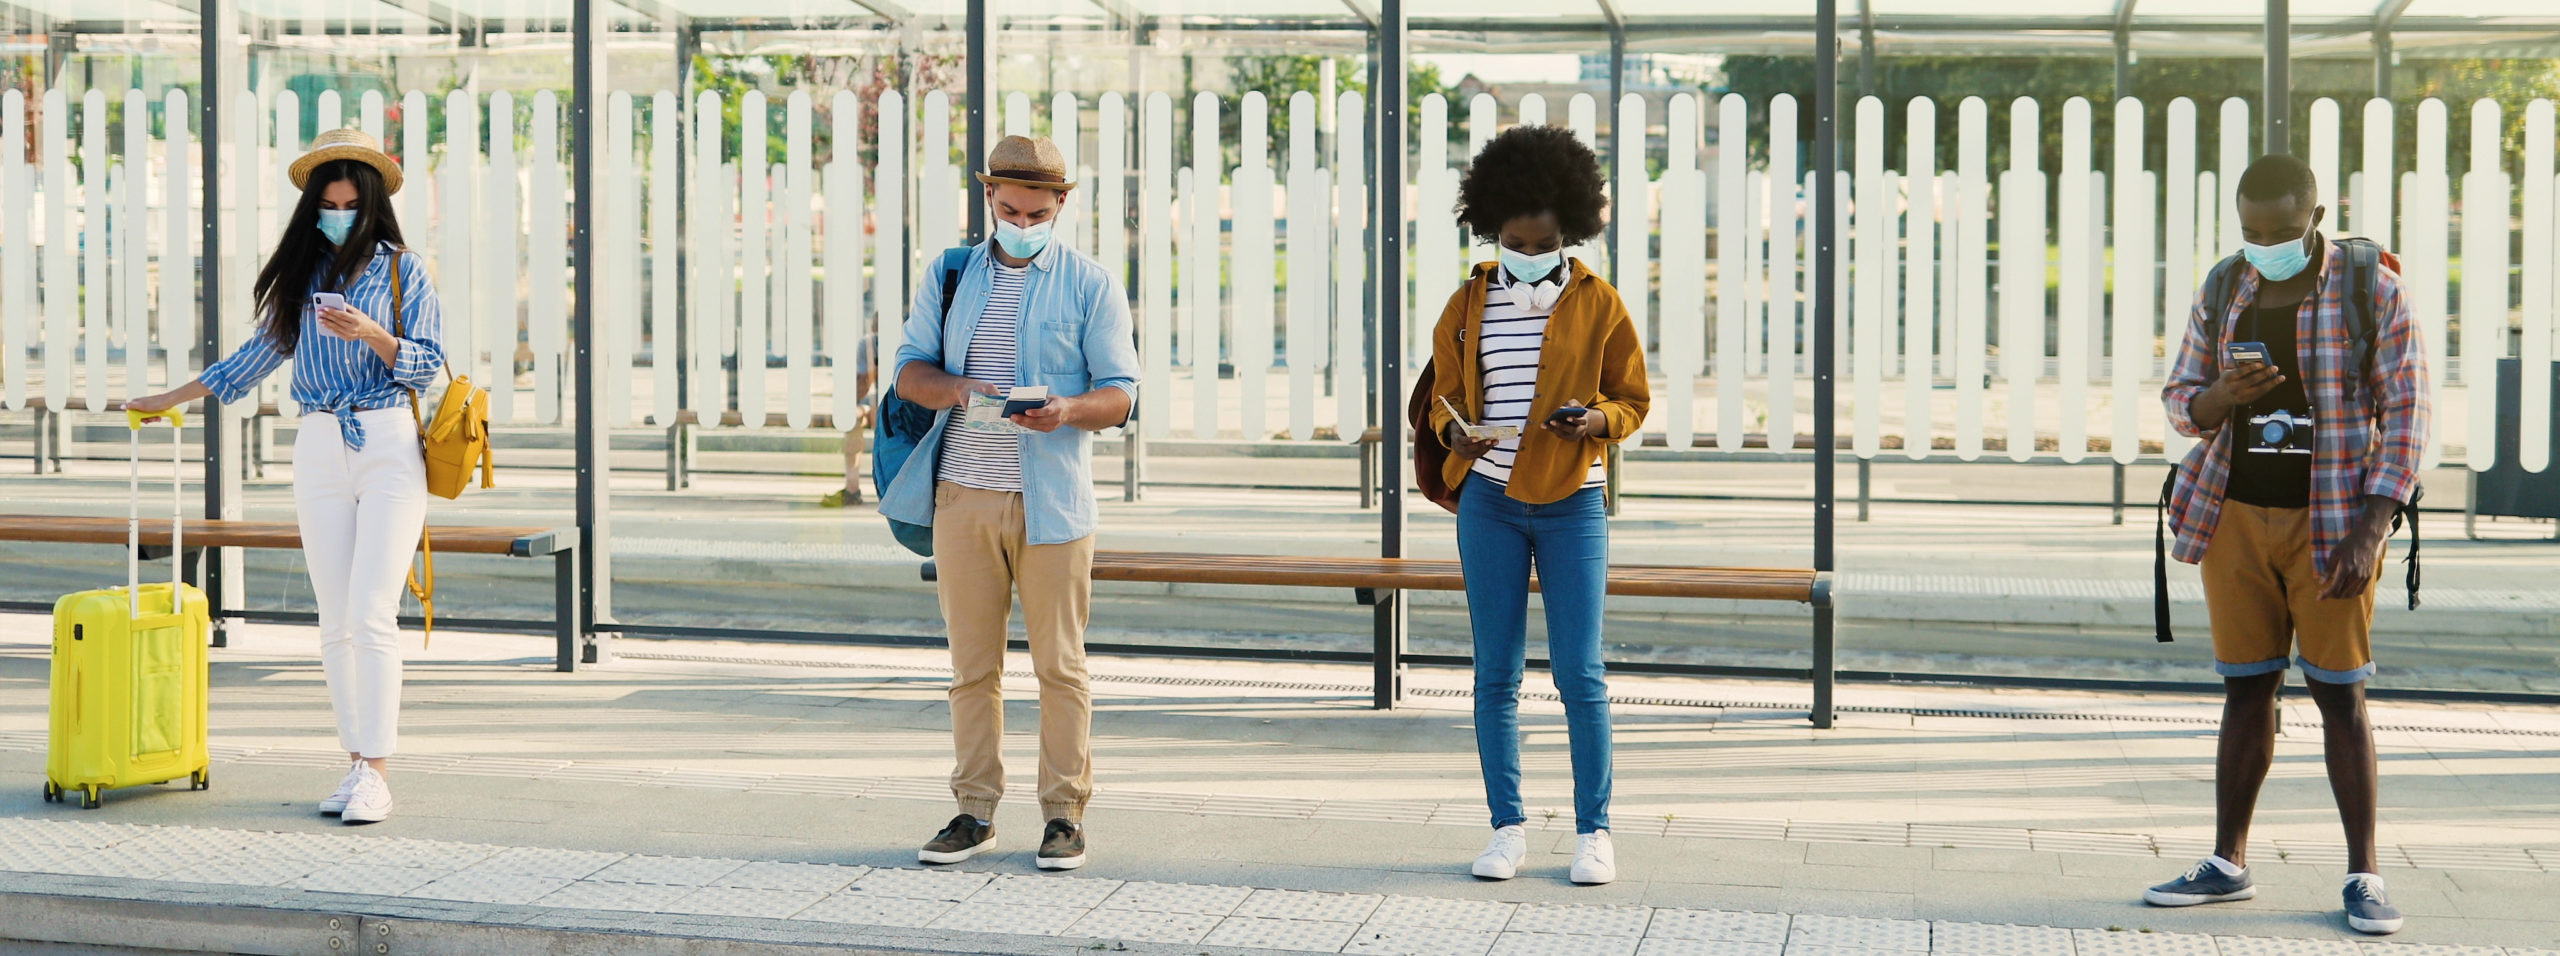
1590, 354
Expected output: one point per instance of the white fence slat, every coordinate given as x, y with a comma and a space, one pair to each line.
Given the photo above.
847, 327
2426, 203
1950, 234
2484, 305
891, 265
1017, 119
703, 395
1684, 274
327, 113
1633, 218
1111, 190
96, 337
1732, 291
61, 325
1436, 233
1310, 263
2324, 166
502, 225
458, 189
547, 259
618, 317
1582, 116
1841, 266
1875, 214
369, 118
2374, 204
755, 258
666, 134
799, 328
417, 199
1780, 284
1973, 145
2132, 314
1066, 128
2022, 306
2541, 245
1920, 314
17, 226
1253, 272
286, 143
1201, 300
133, 245
1533, 110
2234, 143
177, 242
1484, 121
937, 198
2177, 250
248, 183
1155, 270
2072, 315
1350, 271
1755, 273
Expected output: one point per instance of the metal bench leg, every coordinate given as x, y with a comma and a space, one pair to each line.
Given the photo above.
1387, 659
1863, 486
2119, 519
1368, 475
675, 446
2471, 504
40, 435
564, 609
1825, 653
1133, 464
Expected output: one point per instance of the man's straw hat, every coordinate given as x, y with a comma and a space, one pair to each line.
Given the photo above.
1025, 161
348, 143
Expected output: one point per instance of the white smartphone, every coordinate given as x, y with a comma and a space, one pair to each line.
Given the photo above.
324, 301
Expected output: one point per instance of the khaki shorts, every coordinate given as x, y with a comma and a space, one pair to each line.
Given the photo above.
2262, 594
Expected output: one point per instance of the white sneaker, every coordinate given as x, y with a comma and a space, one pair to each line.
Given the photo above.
1501, 858
370, 800
1595, 860
337, 802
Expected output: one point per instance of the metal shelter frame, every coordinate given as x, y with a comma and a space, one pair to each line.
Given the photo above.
1391, 30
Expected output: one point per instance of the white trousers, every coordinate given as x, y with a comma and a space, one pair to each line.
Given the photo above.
361, 512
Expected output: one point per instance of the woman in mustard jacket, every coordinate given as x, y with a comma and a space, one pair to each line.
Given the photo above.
1540, 358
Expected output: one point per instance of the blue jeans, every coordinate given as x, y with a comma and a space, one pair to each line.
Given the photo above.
1498, 537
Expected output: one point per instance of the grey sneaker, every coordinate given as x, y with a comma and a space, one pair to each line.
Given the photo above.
2367, 910
962, 838
2204, 883
1061, 845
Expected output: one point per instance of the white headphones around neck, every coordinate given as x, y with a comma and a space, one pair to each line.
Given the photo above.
1538, 296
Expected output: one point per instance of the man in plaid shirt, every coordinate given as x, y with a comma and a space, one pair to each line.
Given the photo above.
2290, 540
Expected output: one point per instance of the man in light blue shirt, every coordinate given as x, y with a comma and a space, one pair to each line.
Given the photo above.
1011, 502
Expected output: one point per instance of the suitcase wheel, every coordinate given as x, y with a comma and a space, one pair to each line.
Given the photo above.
201, 779
88, 797
52, 794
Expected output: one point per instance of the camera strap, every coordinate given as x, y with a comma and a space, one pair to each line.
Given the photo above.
2160, 562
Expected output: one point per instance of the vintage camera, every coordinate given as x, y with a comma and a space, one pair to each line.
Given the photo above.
2281, 432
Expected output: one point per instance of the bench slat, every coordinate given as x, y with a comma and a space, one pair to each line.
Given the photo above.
457, 539
1417, 574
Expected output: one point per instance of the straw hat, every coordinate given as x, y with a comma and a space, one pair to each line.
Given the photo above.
1024, 161
348, 143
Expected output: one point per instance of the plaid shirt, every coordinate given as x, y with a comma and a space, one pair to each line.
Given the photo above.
2365, 443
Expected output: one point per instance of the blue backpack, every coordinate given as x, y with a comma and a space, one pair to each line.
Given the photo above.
902, 424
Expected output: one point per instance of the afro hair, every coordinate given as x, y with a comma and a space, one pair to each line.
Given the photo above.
1530, 170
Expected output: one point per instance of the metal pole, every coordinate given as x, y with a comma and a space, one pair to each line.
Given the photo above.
217, 23
1617, 91
1387, 267
688, 43
2382, 64
2279, 88
980, 69
594, 598
1867, 52
1826, 199
2124, 63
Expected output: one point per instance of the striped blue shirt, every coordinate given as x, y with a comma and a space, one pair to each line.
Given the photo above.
339, 376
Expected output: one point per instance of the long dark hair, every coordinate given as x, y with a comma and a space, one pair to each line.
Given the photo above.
301, 252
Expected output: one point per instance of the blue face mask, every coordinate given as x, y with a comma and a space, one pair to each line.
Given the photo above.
1529, 268
1022, 243
335, 223
2281, 261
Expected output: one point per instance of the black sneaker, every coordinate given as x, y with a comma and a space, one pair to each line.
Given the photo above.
962, 838
2367, 911
2206, 883
1061, 845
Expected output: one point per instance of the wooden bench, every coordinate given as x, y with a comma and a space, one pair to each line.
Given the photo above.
558, 544
1372, 580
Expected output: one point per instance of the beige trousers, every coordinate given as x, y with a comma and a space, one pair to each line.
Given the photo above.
982, 558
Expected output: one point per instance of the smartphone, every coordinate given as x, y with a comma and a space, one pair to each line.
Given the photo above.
1023, 398
1570, 415
2243, 352
324, 301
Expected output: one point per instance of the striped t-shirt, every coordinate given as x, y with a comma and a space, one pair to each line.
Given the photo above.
1508, 352
989, 461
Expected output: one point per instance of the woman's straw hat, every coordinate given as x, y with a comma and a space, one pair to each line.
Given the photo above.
348, 143
1024, 161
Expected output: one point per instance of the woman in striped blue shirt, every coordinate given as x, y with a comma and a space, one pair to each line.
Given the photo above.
359, 479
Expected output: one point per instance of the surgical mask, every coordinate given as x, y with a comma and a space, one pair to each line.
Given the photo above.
2281, 261
1529, 268
1022, 243
335, 223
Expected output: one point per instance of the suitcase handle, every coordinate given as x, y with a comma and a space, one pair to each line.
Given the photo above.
134, 420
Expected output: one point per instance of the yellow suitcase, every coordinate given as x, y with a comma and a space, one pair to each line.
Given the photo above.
130, 677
